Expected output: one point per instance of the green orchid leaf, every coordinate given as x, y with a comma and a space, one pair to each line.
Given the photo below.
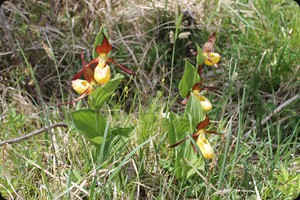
171, 132
177, 128
100, 95
200, 58
98, 40
194, 111
125, 132
198, 164
85, 122
189, 79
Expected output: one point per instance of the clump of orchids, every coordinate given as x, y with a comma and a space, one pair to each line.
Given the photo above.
99, 86
98, 75
195, 118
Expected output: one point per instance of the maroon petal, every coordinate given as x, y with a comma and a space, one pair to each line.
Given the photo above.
77, 76
200, 70
105, 46
178, 143
202, 125
194, 136
126, 70
82, 59
197, 86
208, 46
213, 132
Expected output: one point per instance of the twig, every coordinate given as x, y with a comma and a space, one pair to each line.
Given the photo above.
24, 137
276, 111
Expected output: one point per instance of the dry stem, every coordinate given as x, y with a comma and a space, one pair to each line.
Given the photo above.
25, 137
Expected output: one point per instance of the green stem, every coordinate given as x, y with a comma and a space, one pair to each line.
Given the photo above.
225, 157
173, 59
97, 115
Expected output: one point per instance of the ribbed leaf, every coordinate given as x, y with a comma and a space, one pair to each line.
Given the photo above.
99, 96
194, 111
125, 132
200, 58
85, 123
189, 79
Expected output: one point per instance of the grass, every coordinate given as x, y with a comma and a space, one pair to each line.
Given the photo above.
259, 71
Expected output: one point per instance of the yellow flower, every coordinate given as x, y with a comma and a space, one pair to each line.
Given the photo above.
102, 72
84, 87
80, 86
199, 136
206, 105
205, 146
102, 50
211, 59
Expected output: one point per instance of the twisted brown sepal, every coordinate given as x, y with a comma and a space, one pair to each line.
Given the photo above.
126, 70
208, 46
87, 66
198, 86
200, 70
88, 73
194, 136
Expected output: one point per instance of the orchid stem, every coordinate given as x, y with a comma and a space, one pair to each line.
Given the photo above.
97, 113
173, 58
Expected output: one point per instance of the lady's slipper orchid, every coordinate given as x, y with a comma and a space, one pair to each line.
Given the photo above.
102, 72
80, 85
206, 105
205, 146
85, 87
102, 50
197, 88
200, 139
211, 59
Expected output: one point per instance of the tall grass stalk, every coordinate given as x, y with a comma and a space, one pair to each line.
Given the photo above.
225, 155
178, 22
45, 119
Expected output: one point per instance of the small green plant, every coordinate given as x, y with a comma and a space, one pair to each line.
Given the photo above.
288, 182
99, 86
195, 118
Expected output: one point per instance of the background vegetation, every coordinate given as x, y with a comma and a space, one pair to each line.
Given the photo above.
256, 107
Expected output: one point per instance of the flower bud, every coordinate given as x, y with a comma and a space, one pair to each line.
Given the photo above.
102, 74
80, 85
205, 147
211, 59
